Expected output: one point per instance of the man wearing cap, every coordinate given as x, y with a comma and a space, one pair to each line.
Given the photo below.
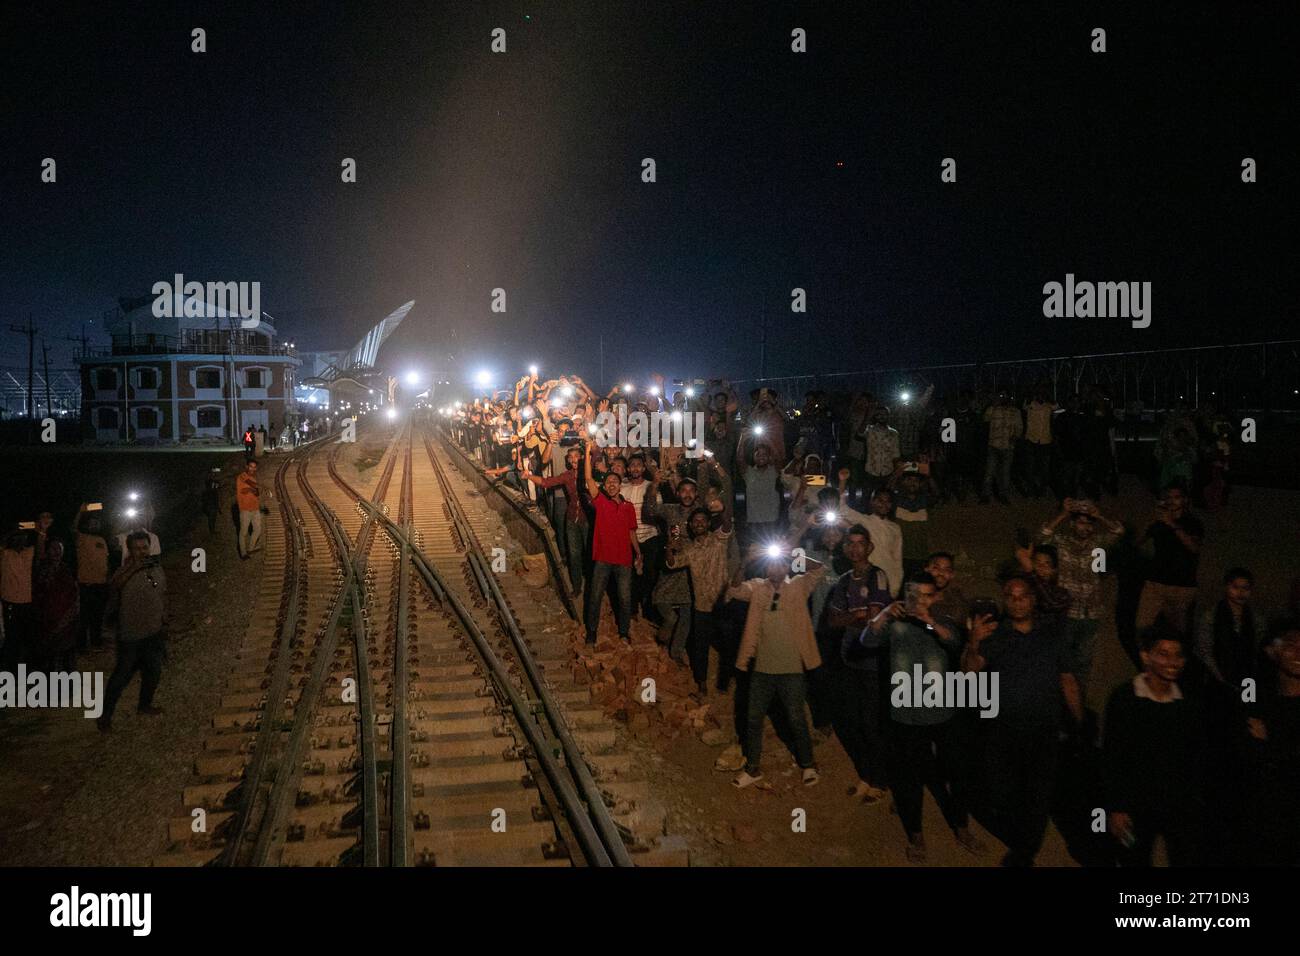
1087, 529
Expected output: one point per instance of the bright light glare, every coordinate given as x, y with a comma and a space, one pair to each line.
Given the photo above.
567, 391
758, 429
134, 496
412, 378
829, 516
627, 389
532, 370
591, 429
654, 389
131, 512
690, 393
677, 416
484, 378
774, 551
905, 397
392, 412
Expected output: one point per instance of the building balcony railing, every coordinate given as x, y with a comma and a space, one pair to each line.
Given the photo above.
172, 345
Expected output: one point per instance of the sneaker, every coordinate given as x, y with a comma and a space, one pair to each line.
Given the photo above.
811, 777
746, 779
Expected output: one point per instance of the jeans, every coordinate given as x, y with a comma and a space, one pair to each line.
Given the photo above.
643, 584
250, 531
998, 464
1020, 767
601, 572
676, 627
1081, 636
789, 690
857, 708
706, 631
923, 758
146, 656
575, 552
94, 598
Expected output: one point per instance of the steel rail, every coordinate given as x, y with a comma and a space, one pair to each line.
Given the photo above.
491, 590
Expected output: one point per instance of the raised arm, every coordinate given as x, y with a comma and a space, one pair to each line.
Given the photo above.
593, 489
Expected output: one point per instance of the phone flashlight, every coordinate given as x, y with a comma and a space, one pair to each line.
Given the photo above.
758, 429
627, 389
773, 551
830, 517
690, 393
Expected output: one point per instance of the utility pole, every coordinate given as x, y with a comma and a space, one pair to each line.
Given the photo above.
30, 331
45, 364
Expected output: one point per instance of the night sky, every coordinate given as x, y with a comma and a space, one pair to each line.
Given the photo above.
522, 170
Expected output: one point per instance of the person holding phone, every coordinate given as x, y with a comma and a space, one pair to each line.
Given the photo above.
855, 673
615, 551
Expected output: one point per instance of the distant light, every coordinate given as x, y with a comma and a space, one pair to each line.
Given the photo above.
627, 388
839, 164
131, 512
557, 402
372, 391
532, 370
677, 416
134, 496
526, 412
412, 378
774, 551
830, 516
591, 429
392, 412
757, 429
905, 397
654, 389
690, 393
483, 378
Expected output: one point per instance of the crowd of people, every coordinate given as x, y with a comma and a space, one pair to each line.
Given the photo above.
794, 548
79, 592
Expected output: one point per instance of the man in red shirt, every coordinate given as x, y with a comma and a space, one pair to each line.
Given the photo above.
614, 550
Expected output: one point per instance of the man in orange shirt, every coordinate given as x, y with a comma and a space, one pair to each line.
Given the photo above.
248, 495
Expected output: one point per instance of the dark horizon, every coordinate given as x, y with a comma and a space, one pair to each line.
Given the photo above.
522, 171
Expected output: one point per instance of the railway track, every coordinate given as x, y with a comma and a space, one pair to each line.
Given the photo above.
389, 706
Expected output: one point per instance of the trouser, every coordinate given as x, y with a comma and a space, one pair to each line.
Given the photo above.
212, 521
1081, 638
859, 720
675, 626
20, 635
94, 597
998, 465
1020, 767
820, 688
923, 757
789, 690
706, 630
1181, 826
575, 552
1038, 467
146, 656
601, 572
250, 531
1174, 603
555, 503
643, 584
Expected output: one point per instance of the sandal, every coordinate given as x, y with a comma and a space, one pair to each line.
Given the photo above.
811, 777
746, 779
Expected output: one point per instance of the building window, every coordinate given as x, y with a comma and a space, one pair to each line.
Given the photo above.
146, 378
207, 378
209, 417
255, 378
146, 418
106, 379
106, 418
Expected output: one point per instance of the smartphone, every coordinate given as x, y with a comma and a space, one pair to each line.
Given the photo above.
95, 506
27, 526
983, 607
816, 480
